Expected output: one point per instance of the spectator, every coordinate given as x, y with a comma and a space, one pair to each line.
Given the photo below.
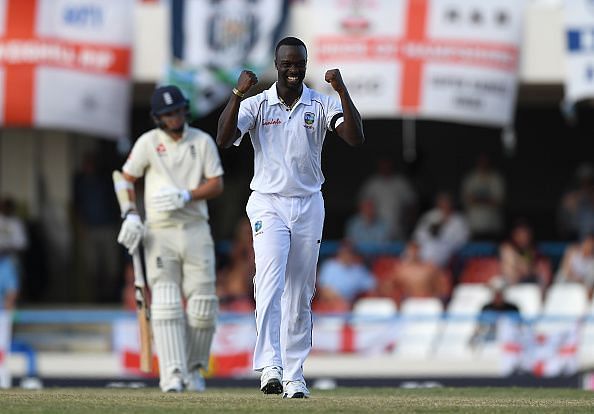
520, 260
441, 231
342, 279
577, 206
13, 241
493, 311
234, 280
97, 218
577, 264
366, 226
483, 193
393, 197
413, 277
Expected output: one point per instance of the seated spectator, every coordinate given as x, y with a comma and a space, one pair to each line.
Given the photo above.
576, 215
393, 197
577, 264
519, 258
13, 240
235, 279
483, 193
413, 277
493, 311
342, 279
441, 232
366, 226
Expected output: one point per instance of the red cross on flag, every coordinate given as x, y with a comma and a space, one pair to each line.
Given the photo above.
454, 60
65, 64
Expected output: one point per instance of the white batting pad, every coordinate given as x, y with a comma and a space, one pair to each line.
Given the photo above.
169, 331
202, 313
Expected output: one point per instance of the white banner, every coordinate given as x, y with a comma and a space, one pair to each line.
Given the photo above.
65, 64
214, 40
447, 59
579, 35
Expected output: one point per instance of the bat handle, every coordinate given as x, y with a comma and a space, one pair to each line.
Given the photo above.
138, 271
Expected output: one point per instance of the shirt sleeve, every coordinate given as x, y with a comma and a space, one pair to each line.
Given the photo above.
246, 119
212, 161
334, 116
138, 159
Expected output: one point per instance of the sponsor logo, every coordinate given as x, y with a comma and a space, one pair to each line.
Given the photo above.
161, 150
159, 262
193, 152
83, 16
276, 121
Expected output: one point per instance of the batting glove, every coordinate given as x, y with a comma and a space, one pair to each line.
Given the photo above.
131, 232
170, 199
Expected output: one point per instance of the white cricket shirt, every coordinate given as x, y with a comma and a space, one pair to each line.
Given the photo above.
183, 164
287, 143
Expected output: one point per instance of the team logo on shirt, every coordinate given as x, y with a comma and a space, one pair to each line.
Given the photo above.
193, 152
161, 150
258, 227
309, 118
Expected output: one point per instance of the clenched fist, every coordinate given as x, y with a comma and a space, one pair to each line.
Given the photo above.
246, 80
334, 78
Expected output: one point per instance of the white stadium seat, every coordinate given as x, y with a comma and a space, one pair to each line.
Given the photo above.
527, 297
564, 305
421, 320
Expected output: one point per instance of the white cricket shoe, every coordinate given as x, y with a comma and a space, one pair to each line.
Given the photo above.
175, 384
196, 382
295, 389
270, 380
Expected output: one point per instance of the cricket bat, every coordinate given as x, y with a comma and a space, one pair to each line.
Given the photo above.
121, 186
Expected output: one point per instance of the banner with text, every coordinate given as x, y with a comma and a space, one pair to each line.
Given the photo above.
455, 60
65, 64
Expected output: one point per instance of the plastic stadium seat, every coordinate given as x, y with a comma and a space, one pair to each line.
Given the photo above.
382, 307
469, 298
527, 297
564, 305
480, 269
421, 320
461, 319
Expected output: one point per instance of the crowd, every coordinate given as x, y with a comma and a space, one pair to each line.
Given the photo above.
388, 212
430, 264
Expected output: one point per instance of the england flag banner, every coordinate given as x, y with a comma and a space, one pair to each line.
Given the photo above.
65, 64
455, 60
579, 29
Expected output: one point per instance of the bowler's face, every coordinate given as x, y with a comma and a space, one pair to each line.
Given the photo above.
291, 63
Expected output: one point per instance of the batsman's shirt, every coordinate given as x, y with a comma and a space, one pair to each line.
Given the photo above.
183, 164
288, 143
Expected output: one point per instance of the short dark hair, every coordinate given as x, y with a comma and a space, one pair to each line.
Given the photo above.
289, 41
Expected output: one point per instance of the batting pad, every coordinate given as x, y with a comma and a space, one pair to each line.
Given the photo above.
202, 313
169, 330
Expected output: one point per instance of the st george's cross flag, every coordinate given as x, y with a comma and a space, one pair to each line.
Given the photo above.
454, 60
65, 64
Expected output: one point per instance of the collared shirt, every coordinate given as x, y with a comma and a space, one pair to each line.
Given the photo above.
288, 142
183, 164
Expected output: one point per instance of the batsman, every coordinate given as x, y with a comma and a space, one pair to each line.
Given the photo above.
181, 169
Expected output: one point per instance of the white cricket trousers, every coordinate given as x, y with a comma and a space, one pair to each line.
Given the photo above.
287, 233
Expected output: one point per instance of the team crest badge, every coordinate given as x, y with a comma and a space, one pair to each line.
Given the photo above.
258, 226
309, 118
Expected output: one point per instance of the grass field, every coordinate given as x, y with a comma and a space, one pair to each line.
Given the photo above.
343, 400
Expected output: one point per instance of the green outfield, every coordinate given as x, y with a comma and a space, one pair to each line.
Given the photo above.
344, 400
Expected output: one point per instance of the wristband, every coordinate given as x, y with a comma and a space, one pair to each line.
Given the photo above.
236, 92
186, 195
